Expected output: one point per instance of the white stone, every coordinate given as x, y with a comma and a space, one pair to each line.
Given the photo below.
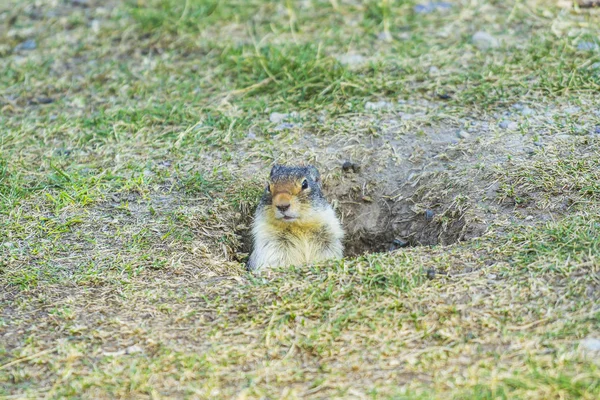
278, 117
484, 41
591, 344
351, 60
377, 105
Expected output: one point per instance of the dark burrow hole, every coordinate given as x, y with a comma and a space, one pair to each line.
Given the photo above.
377, 223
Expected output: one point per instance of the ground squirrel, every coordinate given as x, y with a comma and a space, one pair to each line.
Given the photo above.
294, 224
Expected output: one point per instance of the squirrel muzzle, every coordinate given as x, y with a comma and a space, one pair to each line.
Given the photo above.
285, 206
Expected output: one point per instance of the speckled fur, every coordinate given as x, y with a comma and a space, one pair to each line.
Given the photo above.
315, 235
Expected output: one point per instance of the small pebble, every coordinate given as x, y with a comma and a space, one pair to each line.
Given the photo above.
432, 6
378, 105
492, 276
286, 125
572, 110
251, 135
278, 117
422, 9
506, 124
398, 243
351, 60
133, 349
95, 26
592, 344
42, 100
27, 45
385, 36
463, 135
429, 215
587, 46
538, 144
484, 41
348, 166
529, 218
431, 274
444, 96
527, 111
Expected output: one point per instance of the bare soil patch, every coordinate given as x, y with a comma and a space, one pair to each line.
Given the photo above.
430, 186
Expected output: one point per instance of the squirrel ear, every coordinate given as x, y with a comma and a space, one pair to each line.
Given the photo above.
314, 173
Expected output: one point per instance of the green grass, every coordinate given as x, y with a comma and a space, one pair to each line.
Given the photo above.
573, 238
11, 189
135, 141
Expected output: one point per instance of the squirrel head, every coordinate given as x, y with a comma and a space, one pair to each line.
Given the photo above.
293, 192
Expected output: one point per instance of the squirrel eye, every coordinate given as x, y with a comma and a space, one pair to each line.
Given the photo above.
304, 184
268, 188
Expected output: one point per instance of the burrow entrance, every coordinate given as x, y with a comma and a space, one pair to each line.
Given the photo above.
389, 218
427, 187
386, 215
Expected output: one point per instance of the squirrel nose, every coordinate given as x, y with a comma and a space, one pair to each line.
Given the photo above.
283, 207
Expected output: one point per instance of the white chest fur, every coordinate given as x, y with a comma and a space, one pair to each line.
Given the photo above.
277, 246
